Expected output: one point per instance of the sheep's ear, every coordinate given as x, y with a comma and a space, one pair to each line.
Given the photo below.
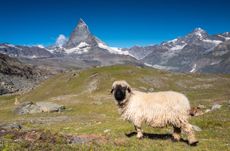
129, 89
112, 90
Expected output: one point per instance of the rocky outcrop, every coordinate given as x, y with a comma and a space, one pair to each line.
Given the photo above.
17, 76
39, 107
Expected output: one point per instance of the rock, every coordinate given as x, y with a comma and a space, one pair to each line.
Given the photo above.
11, 126
50, 107
216, 106
207, 110
201, 106
196, 128
107, 130
143, 88
151, 89
30, 107
27, 107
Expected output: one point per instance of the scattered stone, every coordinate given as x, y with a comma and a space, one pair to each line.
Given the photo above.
50, 107
107, 130
14, 126
27, 107
207, 110
143, 88
151, 89
30, 107
216, 106
196, 128
201, 106
81, 139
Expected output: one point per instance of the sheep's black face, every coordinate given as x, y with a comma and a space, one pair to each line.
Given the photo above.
120, 93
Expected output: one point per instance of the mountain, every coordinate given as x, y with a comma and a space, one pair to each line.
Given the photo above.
83, 46
194, 52
81, 37
17, 76
25, 51
185, 53
82, 41
217, 61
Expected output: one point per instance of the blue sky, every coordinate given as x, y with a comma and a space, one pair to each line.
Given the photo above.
120, 23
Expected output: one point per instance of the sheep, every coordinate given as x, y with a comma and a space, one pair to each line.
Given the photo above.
157, 109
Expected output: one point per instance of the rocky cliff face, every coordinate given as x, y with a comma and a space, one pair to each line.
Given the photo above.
17, 76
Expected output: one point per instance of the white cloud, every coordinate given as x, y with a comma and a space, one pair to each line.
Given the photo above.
61, 40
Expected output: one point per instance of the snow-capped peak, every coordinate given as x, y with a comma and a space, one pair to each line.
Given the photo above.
199, 32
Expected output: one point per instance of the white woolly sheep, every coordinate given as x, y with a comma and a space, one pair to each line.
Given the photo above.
157, 109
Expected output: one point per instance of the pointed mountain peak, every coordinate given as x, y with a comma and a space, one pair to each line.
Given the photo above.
81, 23
80, 34
198, 33
199, 30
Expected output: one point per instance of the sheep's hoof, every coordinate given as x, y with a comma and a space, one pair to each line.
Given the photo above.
193, 143
175, 139
140, 136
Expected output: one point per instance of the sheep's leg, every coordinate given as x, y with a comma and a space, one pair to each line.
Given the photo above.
187, 128
139, 131
176, 133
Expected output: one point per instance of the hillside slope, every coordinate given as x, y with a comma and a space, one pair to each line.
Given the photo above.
90, 108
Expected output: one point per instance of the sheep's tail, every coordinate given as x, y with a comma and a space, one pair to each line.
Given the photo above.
192, 112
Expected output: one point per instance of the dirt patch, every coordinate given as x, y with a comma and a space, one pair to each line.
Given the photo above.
32, 136
43, 137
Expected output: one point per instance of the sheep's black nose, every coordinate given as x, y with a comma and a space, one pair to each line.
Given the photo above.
119, 94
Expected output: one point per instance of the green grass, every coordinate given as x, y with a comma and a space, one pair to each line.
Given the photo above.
91, 109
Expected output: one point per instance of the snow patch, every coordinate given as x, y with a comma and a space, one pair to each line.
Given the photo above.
83, 47
161, 67
193, 69
178, 47
172, 41
34, 56
215, 42
114, 50
216, 62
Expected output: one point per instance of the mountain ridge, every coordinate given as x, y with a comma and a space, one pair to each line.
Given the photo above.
179, 54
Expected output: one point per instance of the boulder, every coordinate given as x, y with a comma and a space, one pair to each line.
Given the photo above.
30, 107
27, 107
216, 106
50, 107
196, 128
11, 126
